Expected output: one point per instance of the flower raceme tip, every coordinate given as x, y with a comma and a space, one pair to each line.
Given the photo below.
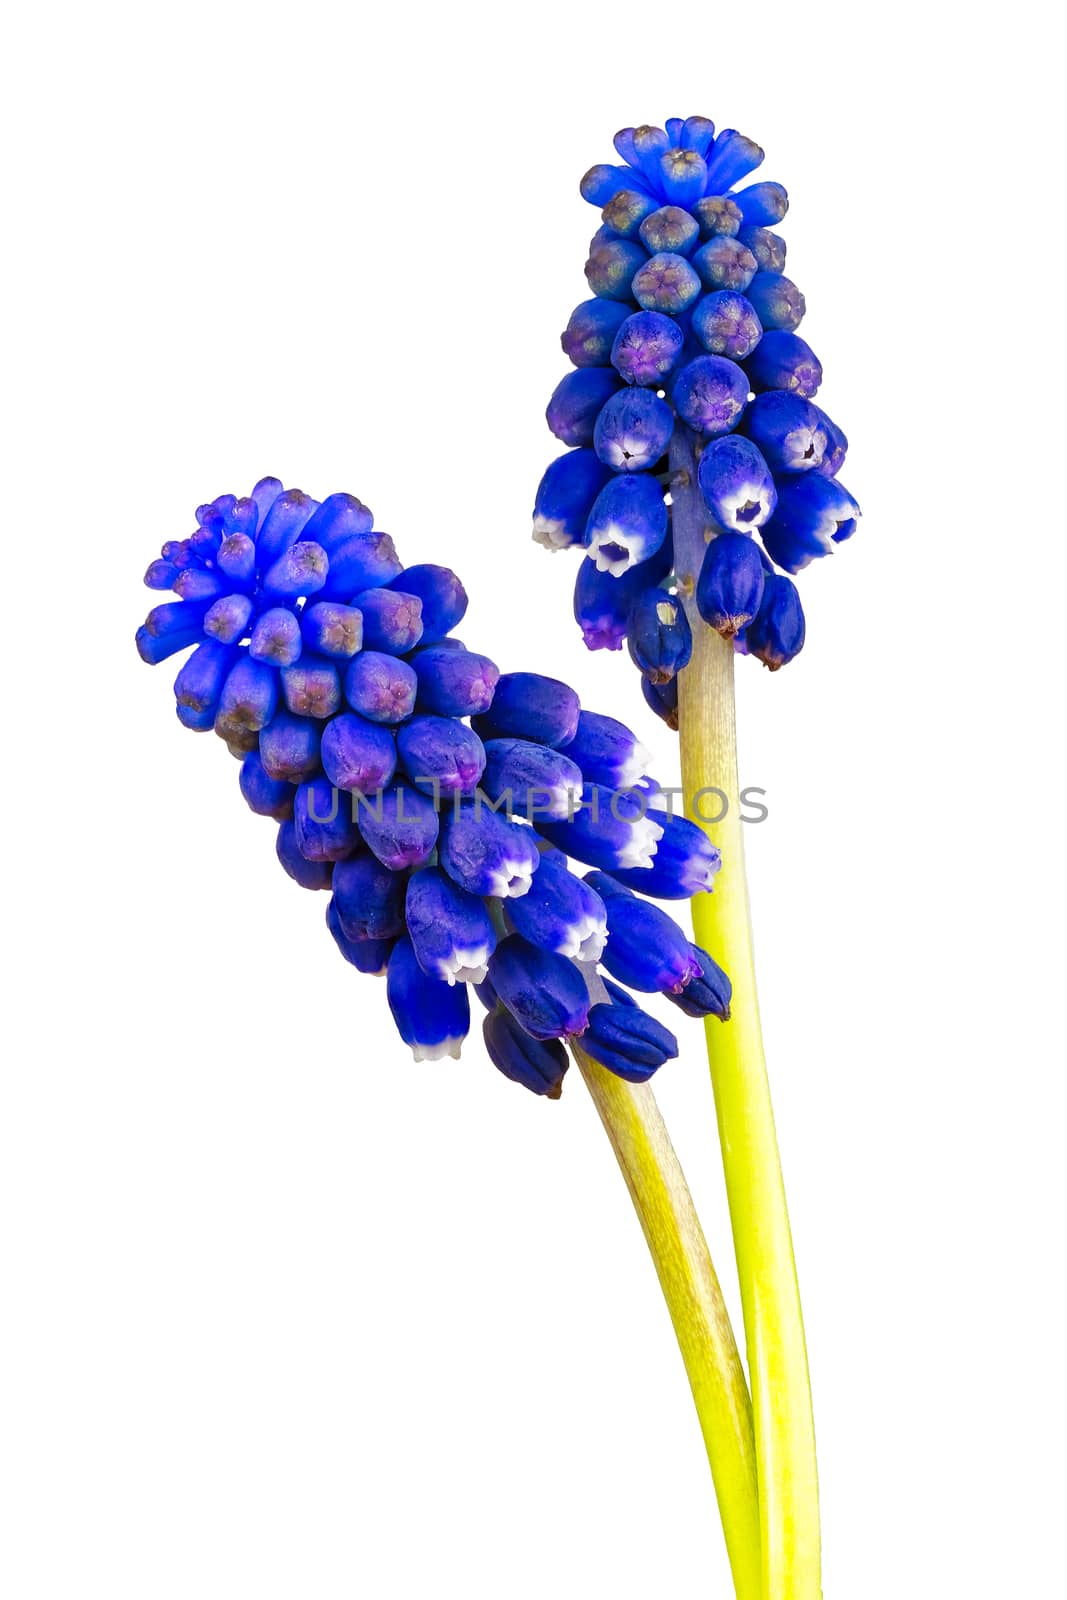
691, 328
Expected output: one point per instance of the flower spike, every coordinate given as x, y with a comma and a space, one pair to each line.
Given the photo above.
692, 310
432, 797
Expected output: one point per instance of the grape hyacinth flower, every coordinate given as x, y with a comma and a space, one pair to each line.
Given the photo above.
688, 348
430, 796
689, 555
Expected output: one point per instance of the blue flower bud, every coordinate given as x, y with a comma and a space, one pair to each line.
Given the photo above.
730, 586
282, 525
628, 1041
565, 498
646, 949
308, 874
710, 394
560, 912
276, 638
237, 558
662, 698
380, 687
532, 779
782, 360
161, 574
450, 930
768, 248
392, 620
196, 584
178, 554
338, 518
717, 216
590, 333
736, 483
169, 628
200, 681
646, 347
708, 994
485, 853
726, 324
685, 862
814, 515
228, 618
602, 602
762, 204
625, 212
628, 523
400, 824
545, 993
607, 752
362, 561
611, 266
725, 263
366, 955
608, 830
454, 683
633, 430
836, 446
266, 796
666, 283
646, 145
312, 687
696, 134
576, 402
357, 755
787, 430
441, 754
325, 827
683, 174
538, 1064
658, 635
368, 899
263, 496
432, 1017
289, 747
669, 230
529, 706
300, 570
602, 182
779, 303
248, 699
332, 629
776, 633
732, 158
444, 599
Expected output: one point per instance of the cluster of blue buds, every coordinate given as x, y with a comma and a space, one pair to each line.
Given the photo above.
691, 332
434, 799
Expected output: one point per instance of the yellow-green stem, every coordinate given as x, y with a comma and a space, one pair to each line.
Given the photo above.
691, 1289
770, 1296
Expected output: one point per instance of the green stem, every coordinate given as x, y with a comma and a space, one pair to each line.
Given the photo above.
770, 1296
694, 1299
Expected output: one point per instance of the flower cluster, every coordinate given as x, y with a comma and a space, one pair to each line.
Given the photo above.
691, 331
436, 800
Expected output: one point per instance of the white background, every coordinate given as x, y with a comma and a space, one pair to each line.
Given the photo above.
284, 1315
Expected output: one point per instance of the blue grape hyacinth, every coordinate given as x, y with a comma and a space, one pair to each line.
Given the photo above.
691, 328
437, 801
